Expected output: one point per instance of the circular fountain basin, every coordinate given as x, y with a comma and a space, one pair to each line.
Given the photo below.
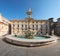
37, 41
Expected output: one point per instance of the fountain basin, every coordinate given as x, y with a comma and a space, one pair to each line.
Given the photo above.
30, 42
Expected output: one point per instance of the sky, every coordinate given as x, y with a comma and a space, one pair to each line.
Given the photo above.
41, 9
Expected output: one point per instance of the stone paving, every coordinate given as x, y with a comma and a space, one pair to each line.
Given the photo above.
13, 50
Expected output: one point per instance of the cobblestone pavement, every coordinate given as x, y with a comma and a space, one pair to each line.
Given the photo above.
12, 50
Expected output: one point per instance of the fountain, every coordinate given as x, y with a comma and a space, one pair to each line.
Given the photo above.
29, 39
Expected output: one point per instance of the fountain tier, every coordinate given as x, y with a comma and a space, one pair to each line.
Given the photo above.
31, 42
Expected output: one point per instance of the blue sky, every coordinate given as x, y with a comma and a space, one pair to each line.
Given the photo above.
41, 9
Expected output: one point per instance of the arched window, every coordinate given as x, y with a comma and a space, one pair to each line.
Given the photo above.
18, 25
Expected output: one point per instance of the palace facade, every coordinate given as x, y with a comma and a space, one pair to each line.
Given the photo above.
4, 25
37, 26
57, 27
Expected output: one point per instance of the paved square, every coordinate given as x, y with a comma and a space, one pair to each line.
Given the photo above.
12, 50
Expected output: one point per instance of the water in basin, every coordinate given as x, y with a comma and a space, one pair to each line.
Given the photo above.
35, 37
